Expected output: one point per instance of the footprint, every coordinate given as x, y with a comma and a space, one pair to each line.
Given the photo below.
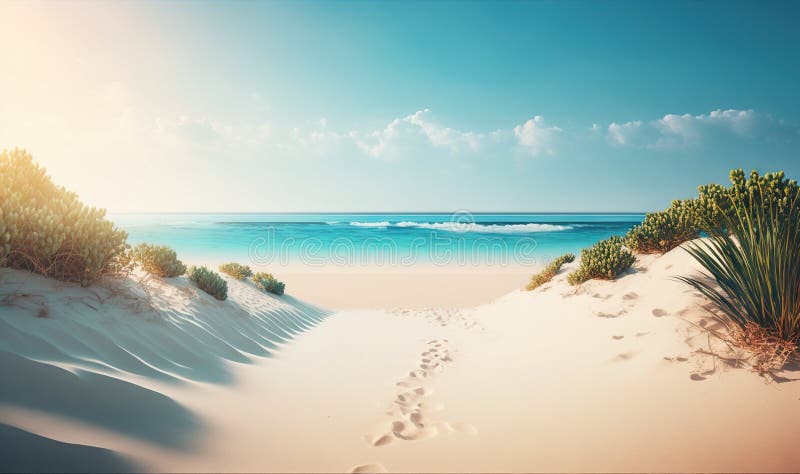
640, 334
404, 432
659, 313
601, 314
416, 418
697, 377
382, 440
625, 356
630, 296
617, 338
368, 468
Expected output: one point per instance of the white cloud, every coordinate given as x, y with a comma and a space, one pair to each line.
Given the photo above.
535, 137
414, 130
205, 131
419, 129
674, 131
315, 136
445, 137
624, 133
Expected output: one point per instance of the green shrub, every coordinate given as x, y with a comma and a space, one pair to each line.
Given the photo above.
236, 270
209, 281
549, 271
754, 257
47, 229
267, 282
711, 206
712, 210
605, 260
158, 260
662, 231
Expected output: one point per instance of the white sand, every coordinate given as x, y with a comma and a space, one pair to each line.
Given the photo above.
609, 377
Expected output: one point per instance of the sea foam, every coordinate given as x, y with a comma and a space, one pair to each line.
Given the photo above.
469, 227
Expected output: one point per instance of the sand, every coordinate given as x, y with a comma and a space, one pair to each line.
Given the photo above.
610, 376
419, 286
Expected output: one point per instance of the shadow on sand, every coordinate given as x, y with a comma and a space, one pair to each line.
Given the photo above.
167, 331
22, 451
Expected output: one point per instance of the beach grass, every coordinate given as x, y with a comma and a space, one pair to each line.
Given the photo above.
549, 271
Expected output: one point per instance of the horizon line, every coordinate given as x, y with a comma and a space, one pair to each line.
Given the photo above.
382, 212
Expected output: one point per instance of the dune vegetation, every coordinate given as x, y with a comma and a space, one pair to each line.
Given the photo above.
209, 281
751, 257
236, 270
158, 260
46, 229
549, 271
753, 260
267, 282
604, 260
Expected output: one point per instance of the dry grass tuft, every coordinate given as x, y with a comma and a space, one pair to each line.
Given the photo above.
768, 352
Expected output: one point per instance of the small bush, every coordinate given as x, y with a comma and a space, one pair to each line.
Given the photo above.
46, 229
267, 282
712, 205
158, 260
236, 270
209, 281
662, 231
604, 260
549, 271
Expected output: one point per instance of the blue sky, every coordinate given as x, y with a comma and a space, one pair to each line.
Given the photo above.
389, 106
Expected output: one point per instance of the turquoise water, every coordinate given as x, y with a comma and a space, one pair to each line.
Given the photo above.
368, 239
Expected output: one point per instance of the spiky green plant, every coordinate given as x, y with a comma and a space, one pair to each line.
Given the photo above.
754, 257
549, 271
267, 282
209, 281
236, 270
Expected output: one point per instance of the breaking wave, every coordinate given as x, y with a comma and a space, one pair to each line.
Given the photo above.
510, 228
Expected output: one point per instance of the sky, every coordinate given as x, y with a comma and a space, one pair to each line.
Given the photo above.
399, 106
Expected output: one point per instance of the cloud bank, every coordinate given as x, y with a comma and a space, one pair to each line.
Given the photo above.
674, 131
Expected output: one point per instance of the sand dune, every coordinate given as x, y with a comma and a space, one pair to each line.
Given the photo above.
609, 376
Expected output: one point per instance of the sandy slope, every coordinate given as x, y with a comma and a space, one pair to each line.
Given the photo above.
613, 376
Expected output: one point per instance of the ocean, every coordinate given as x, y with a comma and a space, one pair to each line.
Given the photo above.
460, 238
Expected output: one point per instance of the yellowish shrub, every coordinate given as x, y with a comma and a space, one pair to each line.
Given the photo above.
47, 229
